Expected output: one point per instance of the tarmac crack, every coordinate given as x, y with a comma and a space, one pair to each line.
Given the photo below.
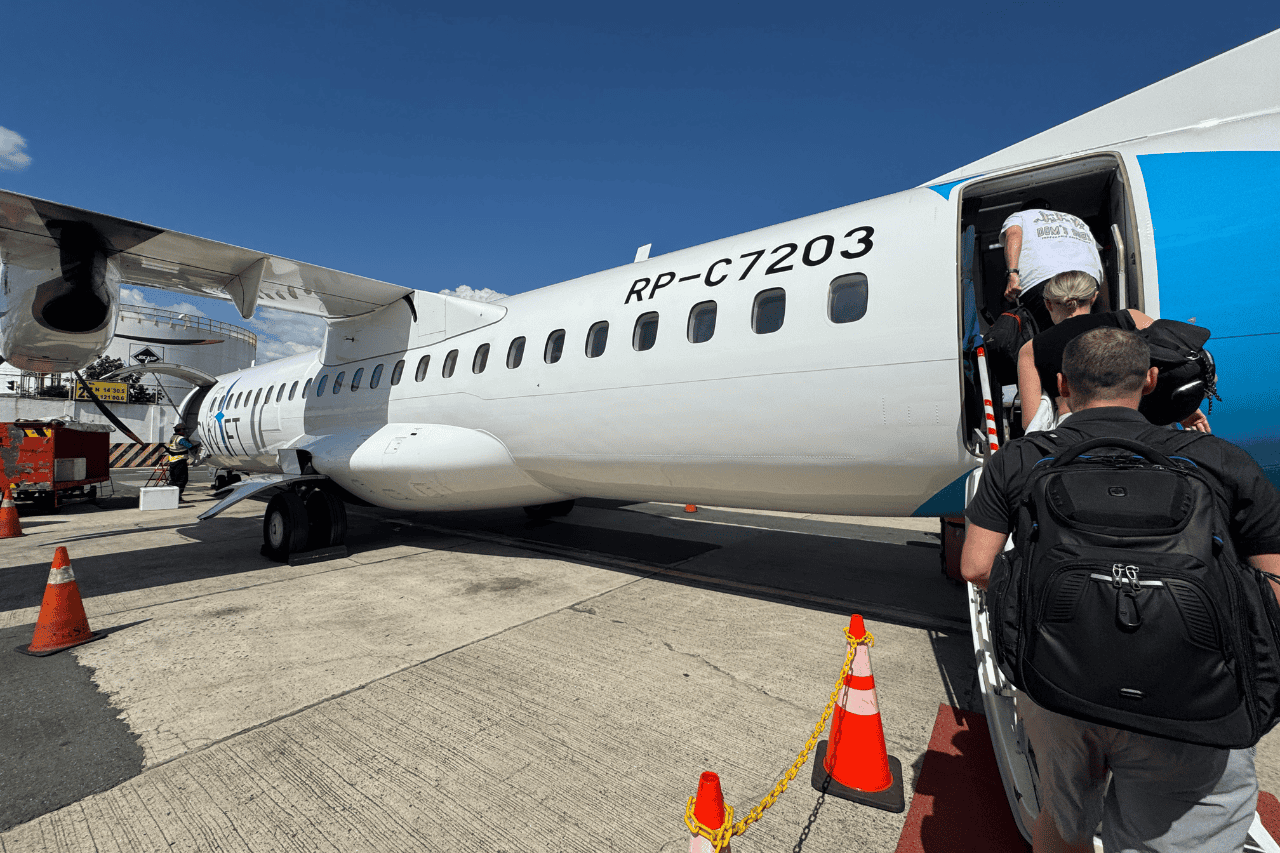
735, 680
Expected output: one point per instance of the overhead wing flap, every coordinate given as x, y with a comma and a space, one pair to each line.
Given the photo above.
169, 260
1237, 84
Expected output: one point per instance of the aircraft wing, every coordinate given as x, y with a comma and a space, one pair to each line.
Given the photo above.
30, 230
1237, 84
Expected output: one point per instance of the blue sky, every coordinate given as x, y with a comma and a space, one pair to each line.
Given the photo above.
512, 146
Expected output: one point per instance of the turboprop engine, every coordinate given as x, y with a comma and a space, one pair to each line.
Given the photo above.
59, 298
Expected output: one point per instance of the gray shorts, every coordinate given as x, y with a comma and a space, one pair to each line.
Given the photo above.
1165, 796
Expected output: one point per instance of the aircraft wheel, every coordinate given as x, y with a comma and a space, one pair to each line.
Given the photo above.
541, 512
326, 519
284, 527
219, 482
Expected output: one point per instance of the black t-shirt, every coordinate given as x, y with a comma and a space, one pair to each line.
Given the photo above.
1253, 508
1049, 344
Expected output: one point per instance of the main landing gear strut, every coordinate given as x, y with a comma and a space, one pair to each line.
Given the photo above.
304, 523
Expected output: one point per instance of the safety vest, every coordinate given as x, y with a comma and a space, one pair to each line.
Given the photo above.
178, 453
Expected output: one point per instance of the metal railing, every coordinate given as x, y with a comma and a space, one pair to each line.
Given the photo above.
194, 322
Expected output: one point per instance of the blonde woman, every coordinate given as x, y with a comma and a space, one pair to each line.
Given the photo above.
1069, 296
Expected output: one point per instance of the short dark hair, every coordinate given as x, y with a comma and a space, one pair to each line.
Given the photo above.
1106, 363
1037, 203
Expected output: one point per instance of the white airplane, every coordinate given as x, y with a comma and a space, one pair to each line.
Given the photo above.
820, 365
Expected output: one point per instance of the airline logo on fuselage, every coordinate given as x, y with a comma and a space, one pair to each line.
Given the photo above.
855, 244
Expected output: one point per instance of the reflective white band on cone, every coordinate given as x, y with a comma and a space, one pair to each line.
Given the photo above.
57, 576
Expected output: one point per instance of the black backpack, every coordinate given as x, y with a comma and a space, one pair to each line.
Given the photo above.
1187, 374
1004, 340
1123, 601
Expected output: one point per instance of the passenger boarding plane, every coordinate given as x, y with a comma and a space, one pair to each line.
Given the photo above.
820, 365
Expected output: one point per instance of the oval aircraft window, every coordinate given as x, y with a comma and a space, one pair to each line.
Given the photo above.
702, 322
375, 377
320, 385
597, 337
292, 388
337, 381
555, 347
450, 362
481, 359
270, 388
646, 332
280, 392
257, 397
515, 353
237, 404
306, 388
421, 372
768, 311
848, 299
355, 379
397, 371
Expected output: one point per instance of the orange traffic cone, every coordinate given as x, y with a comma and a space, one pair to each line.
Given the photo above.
9, 526
690, 508
62, 623
855, 763
706, 814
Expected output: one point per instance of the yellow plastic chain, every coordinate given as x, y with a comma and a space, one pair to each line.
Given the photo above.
719, 838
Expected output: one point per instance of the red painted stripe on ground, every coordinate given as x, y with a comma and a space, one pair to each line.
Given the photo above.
959, 804
1269, 811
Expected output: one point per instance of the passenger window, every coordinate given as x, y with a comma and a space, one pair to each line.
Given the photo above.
292, 388
306, 388
450, 362
597, 337
237, 404
257, 397
355, 379
481, 359
270, 388
320, 385
848, 299
280, 392
212, 400
421, 372
375, 377
515, 353
555, 347
768, 311
337, 382
396, 371
702, 322
646, 332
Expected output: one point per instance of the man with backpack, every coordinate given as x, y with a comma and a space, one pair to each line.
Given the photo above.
1134, 613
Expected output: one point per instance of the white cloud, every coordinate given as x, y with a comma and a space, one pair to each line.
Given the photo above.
135, 296
12, 156
285, 333
485, 295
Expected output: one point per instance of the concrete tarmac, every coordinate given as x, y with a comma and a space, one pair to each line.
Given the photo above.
460, 682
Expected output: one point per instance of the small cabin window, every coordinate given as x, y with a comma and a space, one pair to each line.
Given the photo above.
421, 372
481, 359
646, 332
848, 299
237, 403
597, 337
320, 385
212, 400
702, 322
270, 388
515, 353
337, 381
293, 388
305, 388
257, 397
375, 377
355, 379
450, 362
397, 371
280, 392
555, 347
768, 311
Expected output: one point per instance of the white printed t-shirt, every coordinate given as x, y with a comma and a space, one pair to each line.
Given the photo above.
1053, 242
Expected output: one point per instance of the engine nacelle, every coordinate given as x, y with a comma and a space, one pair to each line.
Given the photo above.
58, 302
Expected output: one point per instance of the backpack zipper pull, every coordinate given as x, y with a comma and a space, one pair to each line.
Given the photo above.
1128, 616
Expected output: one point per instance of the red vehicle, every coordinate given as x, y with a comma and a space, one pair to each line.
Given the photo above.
53, 462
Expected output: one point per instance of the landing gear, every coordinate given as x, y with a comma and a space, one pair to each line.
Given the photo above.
542, 512
304, 525
284, 527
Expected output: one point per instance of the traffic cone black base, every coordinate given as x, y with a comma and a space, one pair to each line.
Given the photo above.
96, 635
891, 799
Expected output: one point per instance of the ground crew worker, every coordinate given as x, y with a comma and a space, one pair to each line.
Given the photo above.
179, 449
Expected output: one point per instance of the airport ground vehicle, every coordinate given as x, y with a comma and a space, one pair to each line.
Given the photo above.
54, 462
